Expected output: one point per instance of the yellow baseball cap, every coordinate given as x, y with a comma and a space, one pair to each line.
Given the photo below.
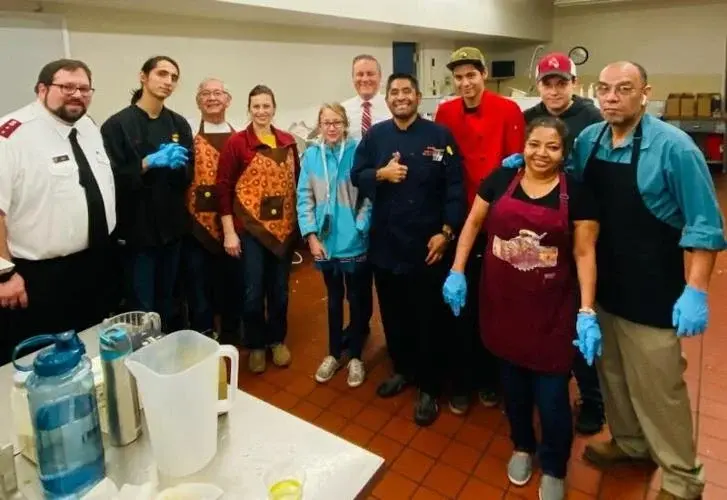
466, 55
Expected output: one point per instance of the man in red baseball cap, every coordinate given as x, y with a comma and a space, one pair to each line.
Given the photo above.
556, 77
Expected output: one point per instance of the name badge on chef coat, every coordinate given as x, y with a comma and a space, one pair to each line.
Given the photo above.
435, 153
60, 159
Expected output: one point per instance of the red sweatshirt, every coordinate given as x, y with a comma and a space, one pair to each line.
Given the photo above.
485, 136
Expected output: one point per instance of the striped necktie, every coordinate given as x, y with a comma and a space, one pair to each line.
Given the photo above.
366, 117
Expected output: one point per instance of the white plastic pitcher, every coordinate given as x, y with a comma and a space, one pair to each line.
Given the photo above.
177, 380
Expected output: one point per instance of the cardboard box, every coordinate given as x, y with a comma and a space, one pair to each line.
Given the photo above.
688, 106
672, 108
705, 104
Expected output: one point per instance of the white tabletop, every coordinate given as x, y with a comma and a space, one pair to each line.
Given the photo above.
252, 437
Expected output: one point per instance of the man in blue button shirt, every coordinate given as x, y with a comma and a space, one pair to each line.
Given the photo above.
409, 167
657, 199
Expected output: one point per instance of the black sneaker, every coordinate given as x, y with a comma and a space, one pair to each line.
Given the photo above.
426, 410
488, 398
459, 404
392, 386
590, 418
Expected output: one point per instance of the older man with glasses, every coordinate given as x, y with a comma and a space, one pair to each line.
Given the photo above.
211, 283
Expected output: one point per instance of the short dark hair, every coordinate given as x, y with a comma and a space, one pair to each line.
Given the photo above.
48, 72
261, 90
402, 76
642, 72
551, 122
149, 65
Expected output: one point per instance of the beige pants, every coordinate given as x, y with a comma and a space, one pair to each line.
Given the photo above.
647, 405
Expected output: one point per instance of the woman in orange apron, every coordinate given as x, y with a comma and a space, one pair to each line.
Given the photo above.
256, 182
540, 259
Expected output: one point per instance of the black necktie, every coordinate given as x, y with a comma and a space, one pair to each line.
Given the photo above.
98, 229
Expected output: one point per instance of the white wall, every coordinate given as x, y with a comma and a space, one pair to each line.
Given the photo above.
304, 67
682, 47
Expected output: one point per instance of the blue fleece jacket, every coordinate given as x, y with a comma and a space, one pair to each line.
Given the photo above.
350, 213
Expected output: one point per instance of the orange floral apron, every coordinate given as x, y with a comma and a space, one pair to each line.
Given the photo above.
265, 199
202, 195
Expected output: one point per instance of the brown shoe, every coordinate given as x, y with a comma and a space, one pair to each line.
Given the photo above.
281, 355
256, 361
608, 453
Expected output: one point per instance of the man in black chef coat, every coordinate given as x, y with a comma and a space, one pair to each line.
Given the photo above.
410, 168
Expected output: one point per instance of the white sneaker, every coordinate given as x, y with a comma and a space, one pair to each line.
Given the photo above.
327, 370
356, 373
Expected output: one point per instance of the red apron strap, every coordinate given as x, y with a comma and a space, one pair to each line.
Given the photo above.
514, 183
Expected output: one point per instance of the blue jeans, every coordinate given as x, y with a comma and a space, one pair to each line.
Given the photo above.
213, 285
355, 284
150, 275
265, 278
525, 389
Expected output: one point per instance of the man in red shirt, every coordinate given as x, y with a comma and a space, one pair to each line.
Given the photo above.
487, 128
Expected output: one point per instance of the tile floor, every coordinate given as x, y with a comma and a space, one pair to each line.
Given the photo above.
465, 457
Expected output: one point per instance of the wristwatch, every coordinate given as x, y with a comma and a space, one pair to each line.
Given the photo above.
447, 232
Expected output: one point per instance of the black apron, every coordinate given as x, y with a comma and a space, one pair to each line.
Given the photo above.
640, 263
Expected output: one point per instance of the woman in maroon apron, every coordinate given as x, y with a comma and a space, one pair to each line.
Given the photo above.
541, 227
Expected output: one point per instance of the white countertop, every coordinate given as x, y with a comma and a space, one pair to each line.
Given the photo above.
252, 437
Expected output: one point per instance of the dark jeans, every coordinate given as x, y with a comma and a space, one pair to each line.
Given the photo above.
525, 389
150, 277
265, 278
212, 285
587, 379
356, 286
411, 307
473, 367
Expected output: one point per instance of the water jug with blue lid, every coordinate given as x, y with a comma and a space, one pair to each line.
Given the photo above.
64, 413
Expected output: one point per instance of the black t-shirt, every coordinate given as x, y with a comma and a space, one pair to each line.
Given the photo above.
581, 204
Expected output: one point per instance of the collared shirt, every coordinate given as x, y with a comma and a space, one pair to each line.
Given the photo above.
407, 214
673, 179
354, 111
40, 194
486, 135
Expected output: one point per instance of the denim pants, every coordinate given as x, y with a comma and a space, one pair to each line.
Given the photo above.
525, 389
587, 380
353, 282
265, 297
212, 285
150, 275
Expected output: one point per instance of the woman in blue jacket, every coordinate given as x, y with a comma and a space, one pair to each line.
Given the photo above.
334, 219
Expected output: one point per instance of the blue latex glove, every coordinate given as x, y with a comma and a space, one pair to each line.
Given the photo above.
455, 291
170, 155
691, 312
513, 161
589, 337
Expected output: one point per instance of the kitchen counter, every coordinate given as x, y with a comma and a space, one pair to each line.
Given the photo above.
251, 438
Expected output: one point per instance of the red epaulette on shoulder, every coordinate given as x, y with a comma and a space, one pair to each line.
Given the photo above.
10, 126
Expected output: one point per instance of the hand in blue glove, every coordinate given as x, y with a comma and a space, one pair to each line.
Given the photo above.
170, 155
455, 291
691, 312
589, 337
513, 161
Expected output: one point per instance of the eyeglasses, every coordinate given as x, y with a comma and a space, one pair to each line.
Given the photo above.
621, 90
336, 124
217, 94
69, 90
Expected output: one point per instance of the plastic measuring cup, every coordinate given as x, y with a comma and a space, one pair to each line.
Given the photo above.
177, 380
284, 481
